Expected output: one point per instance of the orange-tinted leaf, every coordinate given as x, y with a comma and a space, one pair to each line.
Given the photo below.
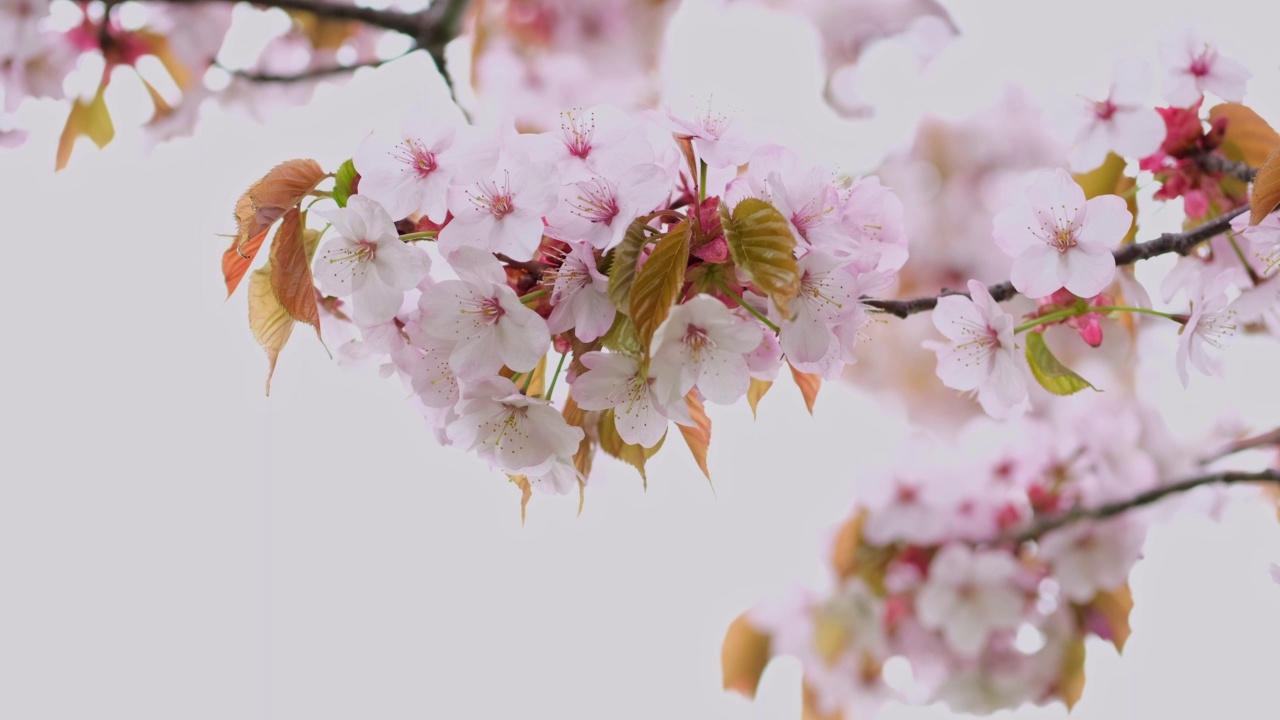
291, 271
659, 281
1251, 137
1266, 189
1113, 608
582, 459
762, 246
811, 711
158, 45
324, 33
743, 656
698, 437
809, 385
86, 119
613, 444
756, 391
265, 202
844, 554
1071, 673
526, 492
269, 321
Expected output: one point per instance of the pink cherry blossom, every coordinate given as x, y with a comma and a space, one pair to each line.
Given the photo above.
1059, 240
615, 382
872, 218
580, 296
517, 433
702, 344
504, 212
485, 319
425, 360
20, 35
827, 297
367, 261
981, 354
599, 210
410, 172
1195, 67
1211, 324
601, 141
1263, 239
1122, 122
715, 136
1091, 557
968, 595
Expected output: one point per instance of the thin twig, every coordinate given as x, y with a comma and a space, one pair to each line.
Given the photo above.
1181, 243
316, 74
1102, 512
1250, 443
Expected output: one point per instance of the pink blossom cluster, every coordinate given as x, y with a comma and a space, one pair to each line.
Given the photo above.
935, 598
530, 230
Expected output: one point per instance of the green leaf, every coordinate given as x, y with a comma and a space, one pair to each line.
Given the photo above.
1049, 371
613, 444
342, 182
762, 246
622, 337
659, 281
622, 262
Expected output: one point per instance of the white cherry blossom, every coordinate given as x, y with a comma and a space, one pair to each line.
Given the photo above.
715, 136
519, 434
615, 381
580, 296
980, 353
367, 261
598, 210
502, 213
1211, 324
484, 318
599, 141
702, 344
1090, 557
1195, 67
1123, 122
1057, 239
968, 595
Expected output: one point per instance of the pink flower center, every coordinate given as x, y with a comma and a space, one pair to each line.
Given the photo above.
713, 124
415, 155
906, 495
577, 134
696, 339
490, 310
1201, 64
597, 202
493, 199
809, 215
1104, 110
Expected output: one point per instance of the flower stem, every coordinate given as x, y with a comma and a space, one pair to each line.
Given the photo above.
424, 235
702, 181
536, 294
738, 299
552, 386
528, 380
1253, 274
1077, 312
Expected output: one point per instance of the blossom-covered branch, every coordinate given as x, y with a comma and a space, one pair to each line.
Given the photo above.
1181, 243
1102, 512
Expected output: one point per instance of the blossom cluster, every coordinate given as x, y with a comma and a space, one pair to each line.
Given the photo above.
600, 242
936, 594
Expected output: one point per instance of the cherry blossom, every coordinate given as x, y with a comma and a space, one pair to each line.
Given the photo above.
1122, 122
981, 354
519, 434
872, 218
1263, 239
504, 212
1059, 240
715, 136
599, 211
968, 595
600, 141
488, 324
559, 479
827, 297
425, 359
616, 382
20, 35
1211, 323
580, 296
702, 344
367, 261
1195, 67
410, 172
1088, 558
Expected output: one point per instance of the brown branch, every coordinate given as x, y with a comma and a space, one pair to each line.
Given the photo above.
316, 74
1250, 443
1102, 512
1181, 243
1214, 163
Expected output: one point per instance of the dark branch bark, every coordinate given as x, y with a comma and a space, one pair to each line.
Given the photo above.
1251, 443
1212, 162
1181, 243
317, 74
1102, 512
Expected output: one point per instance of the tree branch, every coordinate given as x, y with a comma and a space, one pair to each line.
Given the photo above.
1215, 163
1181, 243
1251, 443
1109, 510
316, 74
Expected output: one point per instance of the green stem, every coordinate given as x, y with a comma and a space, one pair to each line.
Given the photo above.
528, 380
530, 297
1253, 275
514, 377
552, 386
424, 235
702, 182
1077, 312
738, 299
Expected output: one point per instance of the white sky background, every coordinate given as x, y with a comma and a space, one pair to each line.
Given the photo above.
175, 545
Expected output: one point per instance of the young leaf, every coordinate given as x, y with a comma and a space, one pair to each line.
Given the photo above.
698, 436
582, 459
269, 321
86, 119
743, 656
291, 271
1250, 138
622, 261
342, 181
762, 246
1266, 189
613, 444
809, 385
526, 492
659, 281
265, 202
1109, 611
1071, 673
1049, 371
756, 391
